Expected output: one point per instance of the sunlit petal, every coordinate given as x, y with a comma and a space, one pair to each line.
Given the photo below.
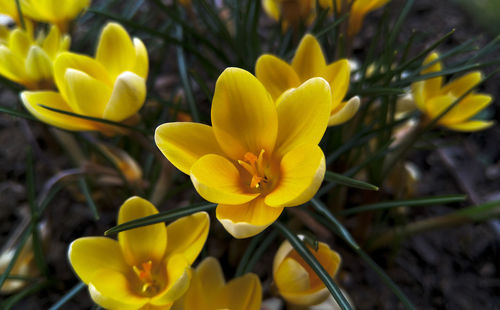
345, 112
127, 97
308, 61
141, 66
338, 76
86, 95
276, 75
466, 108
242, 293
471, 126
115, 50
463, 84
432, 86
178, 279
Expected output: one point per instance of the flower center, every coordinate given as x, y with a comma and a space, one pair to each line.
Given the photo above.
148, 282
255, 166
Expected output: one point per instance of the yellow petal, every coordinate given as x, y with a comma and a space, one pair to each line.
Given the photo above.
291, 277
145, 243
111, 290
242, 293
432, 87
13, 67
271, 8
187, 235
206, 284
303, 115
244, 116
38, 64
217, 180
67, 60
338, 75
52, 43
276, 75
33, 100
127, 98
435, 106
308, 61
178, 279
19, 42
466, 108
247, 220
302, 172
184, 143
141, 66
460, 86
89, 255
86, 95
417, 90
345, 112
115, 50
471, 126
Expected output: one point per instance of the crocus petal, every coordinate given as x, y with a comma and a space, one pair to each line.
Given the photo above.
417, 90
276, 75
244, 292
217, 180
89, 255
345, 112
244, 116
115, 49
432, 86
178, 279
12, 66
67, 60
184, 143
435, 106
51, 43
111, 290
466, 108
86, 95
338, 75
303, 114
19, 42
38, 64
141, 66
188, 235
249, 219
291, 277
308, 61
463, 84
207, 282
145, 243
301, 172
33, 100
271, 8
127, 97
471, 126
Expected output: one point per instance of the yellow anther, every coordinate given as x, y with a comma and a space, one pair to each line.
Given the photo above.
144, 274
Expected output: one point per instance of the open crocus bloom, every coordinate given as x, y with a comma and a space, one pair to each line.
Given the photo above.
112, 86
258, 156
209, 290
296, 281
29, 61
432, 98
357, 11
56, 12
309, 61
148, 267
292, 12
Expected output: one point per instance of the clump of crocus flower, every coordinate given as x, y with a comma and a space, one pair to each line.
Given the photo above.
259, 156
433, 98
28, 60
297, 283
111, 86
209, 290
149, 266
309, 61
291, 12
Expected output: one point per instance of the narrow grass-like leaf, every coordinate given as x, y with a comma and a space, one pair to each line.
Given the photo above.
254, 243
20, 245
161, 217
195, 114
321, 32
347, 181
407, 203
314, 264
96, 119
21, 15
84, 187
77, 288
17, 113
13, 300
260, 251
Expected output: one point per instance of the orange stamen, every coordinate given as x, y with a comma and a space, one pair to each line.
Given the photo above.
255, 167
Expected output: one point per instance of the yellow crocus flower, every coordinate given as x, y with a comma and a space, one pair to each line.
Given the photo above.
432, 98
148, 267
357, 9
294, 278
259, 155
209, 290
29, 61
110, 86
55, 12
9, 8
292, 12
309, 61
